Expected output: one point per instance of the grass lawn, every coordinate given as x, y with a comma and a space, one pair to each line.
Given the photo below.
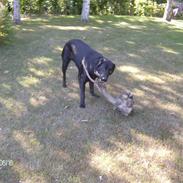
46, 138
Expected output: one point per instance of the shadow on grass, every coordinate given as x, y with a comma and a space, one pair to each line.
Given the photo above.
50, 139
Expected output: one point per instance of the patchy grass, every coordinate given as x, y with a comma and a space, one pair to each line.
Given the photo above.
50, 139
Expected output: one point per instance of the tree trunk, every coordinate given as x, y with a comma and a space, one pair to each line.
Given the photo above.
85, 11
168, 11
16, 14
132, 4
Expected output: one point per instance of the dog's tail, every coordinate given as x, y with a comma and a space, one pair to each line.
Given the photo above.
62, 52
66, 57
66, 50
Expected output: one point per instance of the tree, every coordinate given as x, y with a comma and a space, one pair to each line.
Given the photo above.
132, 5
85, 11
168, 11
16, 14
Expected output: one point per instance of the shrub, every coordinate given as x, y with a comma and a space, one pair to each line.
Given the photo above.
5, 22
149, 8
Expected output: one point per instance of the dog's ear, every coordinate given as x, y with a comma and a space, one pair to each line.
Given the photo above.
113, 66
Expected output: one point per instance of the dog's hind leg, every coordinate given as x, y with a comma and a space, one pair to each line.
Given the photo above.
65, 62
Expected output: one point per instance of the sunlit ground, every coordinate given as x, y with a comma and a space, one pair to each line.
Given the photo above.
50, 139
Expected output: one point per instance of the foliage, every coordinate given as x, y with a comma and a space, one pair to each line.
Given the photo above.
5, 21
51, 6
97, 7
149, 8
103, 7
127, 7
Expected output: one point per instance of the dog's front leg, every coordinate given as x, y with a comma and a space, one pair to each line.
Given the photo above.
91, 85
82, 82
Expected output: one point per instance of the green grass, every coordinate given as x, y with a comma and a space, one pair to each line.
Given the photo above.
50, 139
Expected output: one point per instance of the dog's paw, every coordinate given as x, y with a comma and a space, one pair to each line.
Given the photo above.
95, 95
64, 86
82, 106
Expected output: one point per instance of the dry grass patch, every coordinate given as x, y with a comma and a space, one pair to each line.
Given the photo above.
50, 139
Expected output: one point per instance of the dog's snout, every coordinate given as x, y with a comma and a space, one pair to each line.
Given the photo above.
104, 79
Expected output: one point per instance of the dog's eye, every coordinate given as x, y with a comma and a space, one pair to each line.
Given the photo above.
110, 72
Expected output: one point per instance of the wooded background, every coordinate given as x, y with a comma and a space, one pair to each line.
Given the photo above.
97, 7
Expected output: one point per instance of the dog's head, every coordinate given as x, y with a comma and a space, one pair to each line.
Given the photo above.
104, 68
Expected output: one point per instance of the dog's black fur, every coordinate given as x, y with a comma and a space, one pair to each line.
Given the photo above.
97, 65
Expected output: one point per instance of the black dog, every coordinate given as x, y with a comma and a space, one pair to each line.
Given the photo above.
97, 65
